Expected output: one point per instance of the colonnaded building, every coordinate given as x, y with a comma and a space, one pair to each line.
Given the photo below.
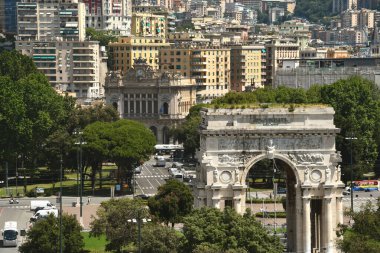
301, 140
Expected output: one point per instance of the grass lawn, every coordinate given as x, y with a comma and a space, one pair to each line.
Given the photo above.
94, 244
69, 185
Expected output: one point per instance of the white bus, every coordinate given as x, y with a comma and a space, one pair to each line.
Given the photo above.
10, 234
167, 148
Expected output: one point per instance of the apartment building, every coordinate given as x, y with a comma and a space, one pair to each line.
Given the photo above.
52, 33
126, 50
208, 66
70, 66
8, 16
109, 15
50, 19
278, 50
149, 24
246, 67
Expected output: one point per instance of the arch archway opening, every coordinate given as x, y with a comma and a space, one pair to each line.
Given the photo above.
154, 131
165, 135
271, 194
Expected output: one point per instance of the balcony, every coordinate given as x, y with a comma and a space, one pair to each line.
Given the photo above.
171, 116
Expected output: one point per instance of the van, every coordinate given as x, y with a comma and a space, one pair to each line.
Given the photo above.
44, 213
160, 162
10, 233
178, 176
40, 203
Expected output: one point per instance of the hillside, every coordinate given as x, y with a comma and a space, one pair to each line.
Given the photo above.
316, 11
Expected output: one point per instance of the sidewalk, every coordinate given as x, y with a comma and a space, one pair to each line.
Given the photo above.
87, 212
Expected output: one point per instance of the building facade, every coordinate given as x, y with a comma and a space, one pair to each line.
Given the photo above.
70, 66
127, 49
48, 20
246, 67
8, 16
109, 15
160, 100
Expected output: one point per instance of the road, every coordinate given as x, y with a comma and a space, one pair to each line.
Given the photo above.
151, 178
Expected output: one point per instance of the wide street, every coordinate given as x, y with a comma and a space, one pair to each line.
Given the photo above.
151, 178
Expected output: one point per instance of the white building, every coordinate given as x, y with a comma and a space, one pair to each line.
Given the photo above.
109, 15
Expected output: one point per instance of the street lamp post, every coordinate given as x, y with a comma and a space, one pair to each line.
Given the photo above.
139, 220
60, 206
351, 171
80, 181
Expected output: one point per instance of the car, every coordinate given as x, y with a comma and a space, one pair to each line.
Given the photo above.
142, 196
13, 201
138, 170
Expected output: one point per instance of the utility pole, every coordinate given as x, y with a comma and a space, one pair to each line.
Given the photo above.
60, 206
6, 178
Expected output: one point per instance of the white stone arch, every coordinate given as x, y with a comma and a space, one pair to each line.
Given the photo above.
263, 156
303, 138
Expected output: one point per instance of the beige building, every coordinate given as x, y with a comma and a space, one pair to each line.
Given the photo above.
149, 24
208, 66
70, 66
160, 100
358, 18
246, 67
49, 20
127, 49
277, 50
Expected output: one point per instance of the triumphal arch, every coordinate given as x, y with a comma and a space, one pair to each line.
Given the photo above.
300, 138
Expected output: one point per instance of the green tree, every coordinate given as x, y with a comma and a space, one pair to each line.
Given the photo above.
16, 65
187, 133
364, 235
160, 239
172, 202
131, 143
99, 112
44, 236
227, 231
114, 220
356, 102
96, 147
104, 37
316, 11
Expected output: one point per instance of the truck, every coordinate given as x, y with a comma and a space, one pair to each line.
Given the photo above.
39, 203
10, 233
44, 213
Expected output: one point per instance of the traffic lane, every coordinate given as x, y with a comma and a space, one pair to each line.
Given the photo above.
150, 178
22, 217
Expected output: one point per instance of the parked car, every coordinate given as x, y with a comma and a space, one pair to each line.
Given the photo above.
138, 170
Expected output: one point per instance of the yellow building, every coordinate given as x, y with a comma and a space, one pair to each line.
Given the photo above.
246, 67
149, 24
208, 66
176, 60
126, 50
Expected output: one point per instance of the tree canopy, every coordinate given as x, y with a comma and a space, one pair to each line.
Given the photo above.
160, 239
44, 236
364, 235
211, 230
172, 202
114, 220
316, 11
104, 37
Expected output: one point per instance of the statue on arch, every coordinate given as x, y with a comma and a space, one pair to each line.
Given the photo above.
216, 174
237, 175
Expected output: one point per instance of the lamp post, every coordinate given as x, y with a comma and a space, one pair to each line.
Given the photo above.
60, 206
139, 220
80, 177
351, 171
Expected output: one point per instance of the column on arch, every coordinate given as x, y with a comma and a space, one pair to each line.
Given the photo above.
328, 224
306, 225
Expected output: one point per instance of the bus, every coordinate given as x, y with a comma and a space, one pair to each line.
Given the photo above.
366, 185
168, 148
10, 234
